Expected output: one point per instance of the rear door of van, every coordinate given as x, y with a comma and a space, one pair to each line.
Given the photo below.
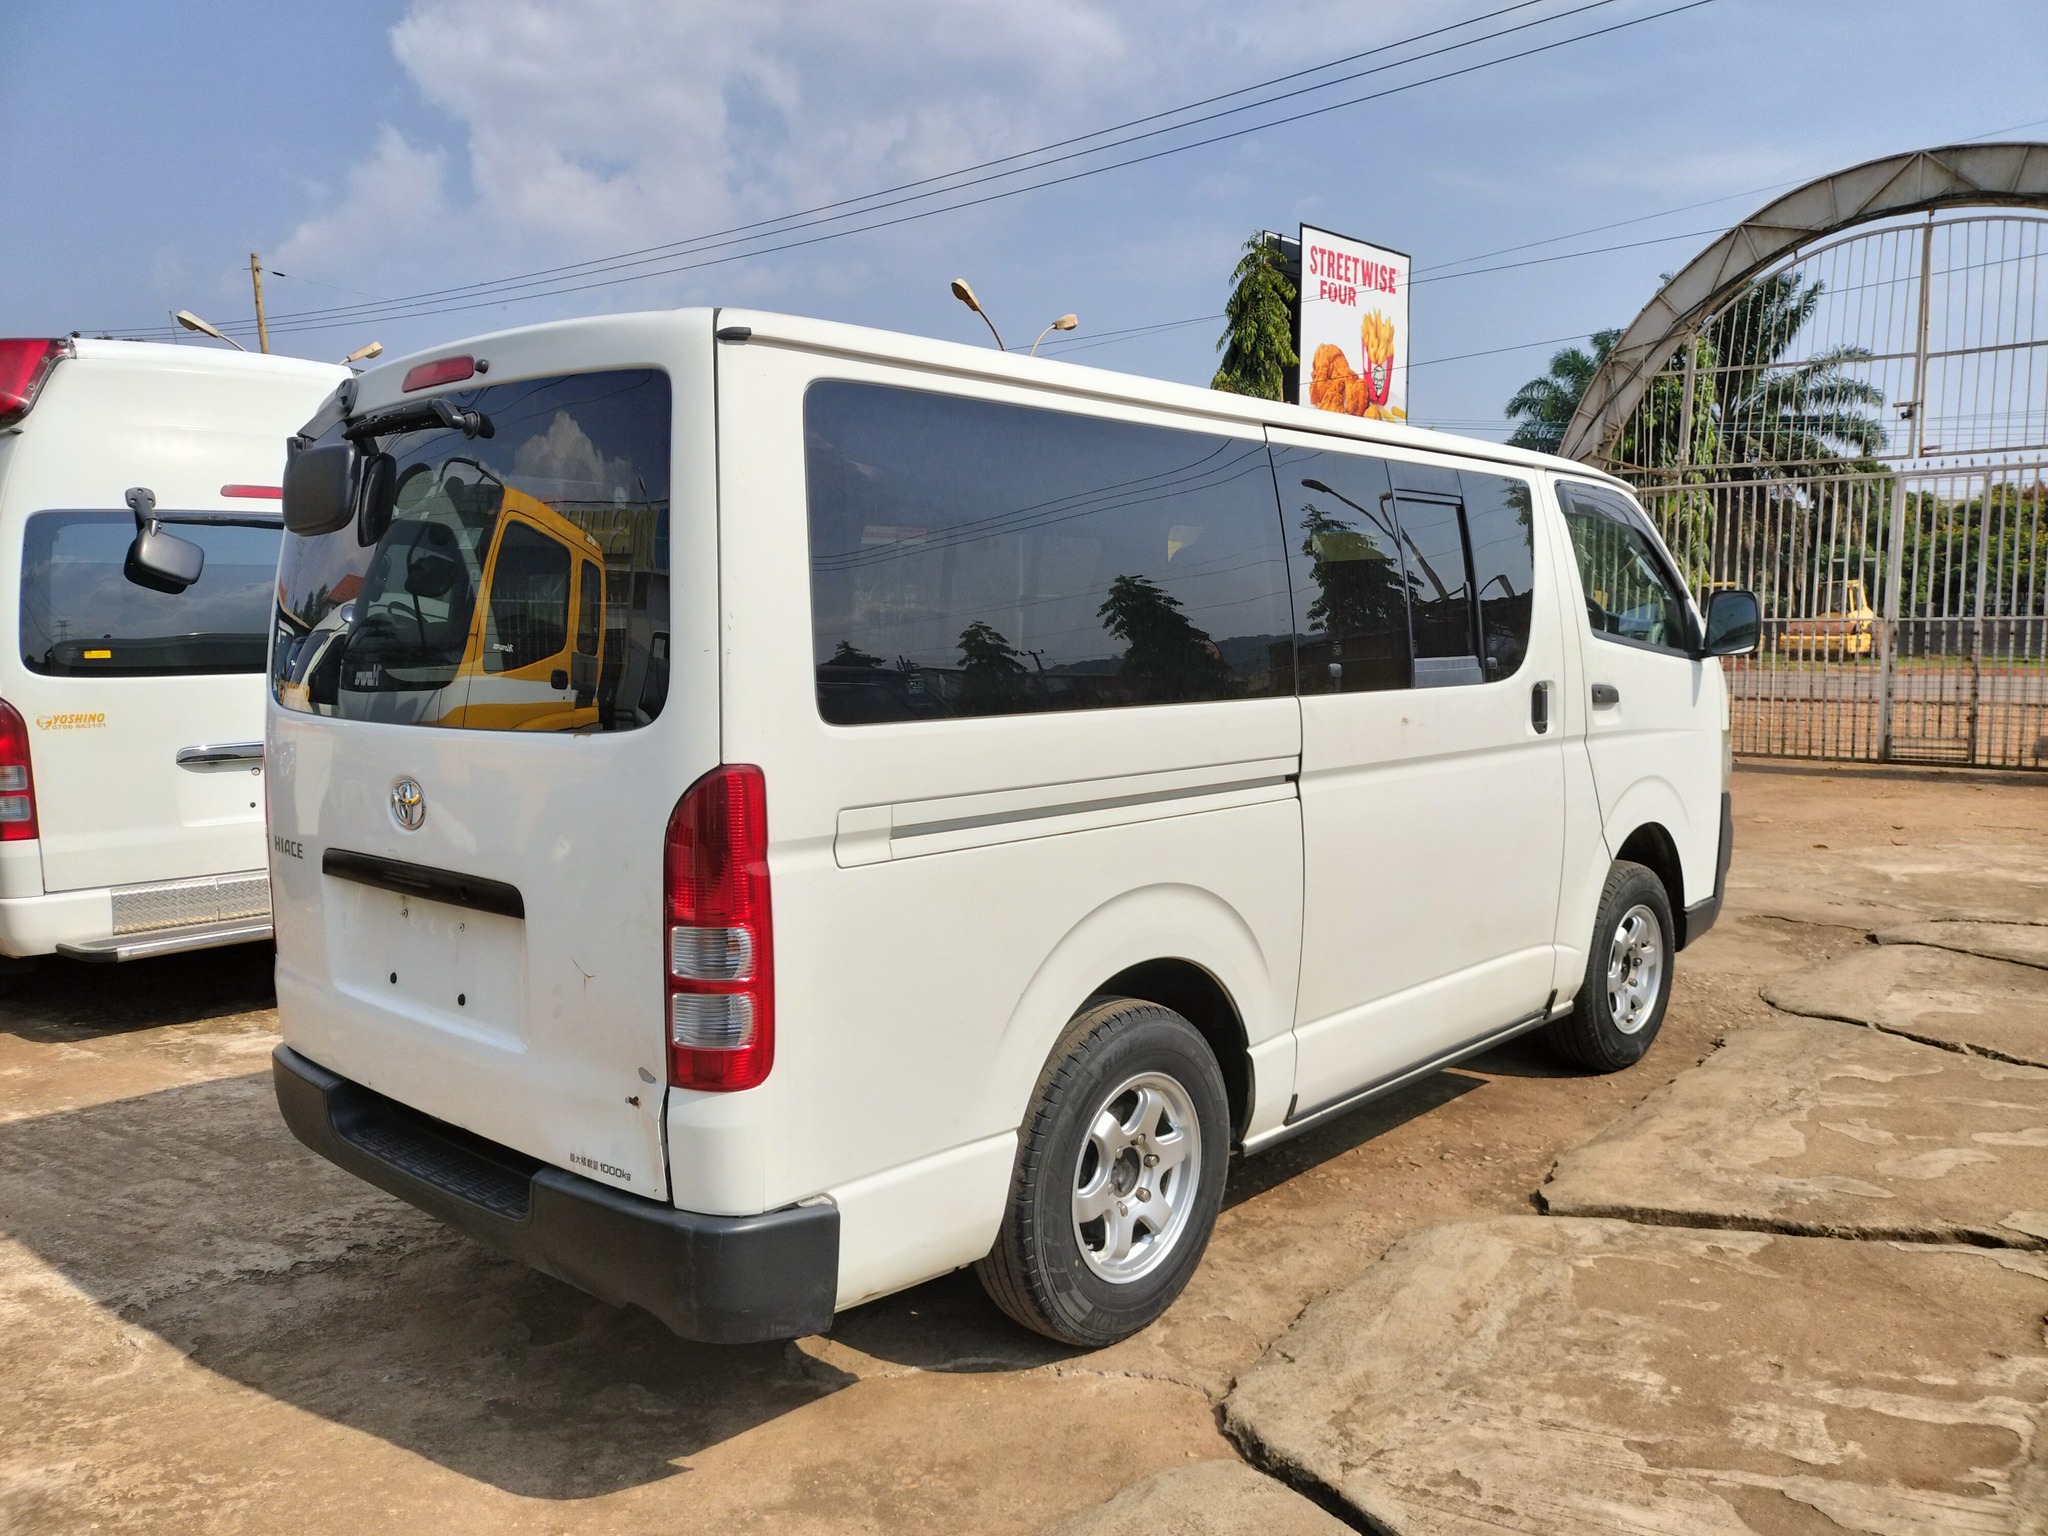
145, 708
468, 893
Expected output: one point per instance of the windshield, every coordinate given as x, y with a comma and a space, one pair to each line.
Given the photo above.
512, 582
82, 617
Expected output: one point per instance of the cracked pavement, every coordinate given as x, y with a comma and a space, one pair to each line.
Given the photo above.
209, 1326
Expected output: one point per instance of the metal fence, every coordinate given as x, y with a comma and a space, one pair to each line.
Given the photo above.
1861, 436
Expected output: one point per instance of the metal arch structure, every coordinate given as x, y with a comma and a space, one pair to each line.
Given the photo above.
1977, 175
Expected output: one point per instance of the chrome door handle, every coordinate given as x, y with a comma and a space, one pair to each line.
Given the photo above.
226, 752
1605, 695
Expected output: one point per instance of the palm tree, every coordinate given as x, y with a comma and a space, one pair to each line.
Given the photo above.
1258, 335
1545, 404
1778, 413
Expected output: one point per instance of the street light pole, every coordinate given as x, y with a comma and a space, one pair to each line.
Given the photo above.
1064, 323
262, 326
966, 296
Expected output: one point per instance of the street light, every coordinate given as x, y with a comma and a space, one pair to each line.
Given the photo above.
365, 352
1064, 323
966, 296
192, 322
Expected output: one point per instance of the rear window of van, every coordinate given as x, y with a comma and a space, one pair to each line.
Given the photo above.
516, 580
82, 617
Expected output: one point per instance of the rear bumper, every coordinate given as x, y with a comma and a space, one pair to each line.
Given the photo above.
719, 1279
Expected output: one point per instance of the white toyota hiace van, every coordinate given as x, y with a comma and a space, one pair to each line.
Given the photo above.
767, 812
131, 690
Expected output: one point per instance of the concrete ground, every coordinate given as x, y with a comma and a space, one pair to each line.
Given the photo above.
208, 1327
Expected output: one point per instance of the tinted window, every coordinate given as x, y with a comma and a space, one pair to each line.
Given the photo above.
529, 601
1629, 593
975, 558
394, 617
1498, 521
1439, 587
1348, 579
81, 617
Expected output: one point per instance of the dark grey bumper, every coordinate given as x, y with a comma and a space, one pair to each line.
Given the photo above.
721, 1279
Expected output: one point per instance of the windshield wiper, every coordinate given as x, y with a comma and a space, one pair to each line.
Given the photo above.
418, 416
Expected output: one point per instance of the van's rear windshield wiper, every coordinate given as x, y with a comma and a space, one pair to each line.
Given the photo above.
418, 416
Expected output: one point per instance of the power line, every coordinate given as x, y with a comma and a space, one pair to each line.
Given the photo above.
402, 309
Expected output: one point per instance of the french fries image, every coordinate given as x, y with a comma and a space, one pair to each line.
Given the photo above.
1376, 341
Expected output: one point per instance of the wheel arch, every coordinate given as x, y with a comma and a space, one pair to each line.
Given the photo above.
1652, 846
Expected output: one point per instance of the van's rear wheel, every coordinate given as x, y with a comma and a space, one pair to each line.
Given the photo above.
1627, 985
1119, 1176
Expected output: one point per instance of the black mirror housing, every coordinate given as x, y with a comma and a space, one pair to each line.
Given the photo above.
1734, 622
320, 487
163, 562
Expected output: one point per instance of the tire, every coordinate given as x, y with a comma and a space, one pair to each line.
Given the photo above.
1627, 985
1078, 1257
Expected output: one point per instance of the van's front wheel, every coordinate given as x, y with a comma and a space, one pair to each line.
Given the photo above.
1627, 986
1119, 1177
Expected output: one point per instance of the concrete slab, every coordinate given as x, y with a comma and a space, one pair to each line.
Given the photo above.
1554, 1377
1210, 1498
1839, 880
2021, 943
1938, 996
1828, 1130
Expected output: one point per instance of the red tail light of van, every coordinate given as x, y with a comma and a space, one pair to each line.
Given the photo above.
720, 946
24, 366
17, 787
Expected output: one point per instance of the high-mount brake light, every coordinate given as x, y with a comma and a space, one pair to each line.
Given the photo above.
17, 784
443, 370
255, 492
719, 941
24, 367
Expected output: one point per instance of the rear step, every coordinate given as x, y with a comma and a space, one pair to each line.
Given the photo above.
168, 941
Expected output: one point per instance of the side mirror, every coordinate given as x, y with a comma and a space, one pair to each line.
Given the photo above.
1733, 621
320, 489
160, 561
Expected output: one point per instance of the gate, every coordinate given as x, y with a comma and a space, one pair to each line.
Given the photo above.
1859, 432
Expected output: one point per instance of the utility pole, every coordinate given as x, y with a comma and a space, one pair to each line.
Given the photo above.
256, 279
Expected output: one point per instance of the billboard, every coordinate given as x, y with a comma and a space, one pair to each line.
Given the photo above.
1354, 327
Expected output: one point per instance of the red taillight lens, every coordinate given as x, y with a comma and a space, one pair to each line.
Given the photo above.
17, 784
24, 365
718, 944
444, 370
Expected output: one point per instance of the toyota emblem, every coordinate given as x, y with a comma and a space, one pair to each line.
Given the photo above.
408, 804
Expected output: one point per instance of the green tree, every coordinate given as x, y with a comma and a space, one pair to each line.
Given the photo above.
1773, 412
1258, 334
1175, 660
1545, 404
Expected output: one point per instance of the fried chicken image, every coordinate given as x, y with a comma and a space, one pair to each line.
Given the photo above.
1332, 383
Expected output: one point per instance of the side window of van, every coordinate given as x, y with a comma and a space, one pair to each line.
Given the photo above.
1405, 574
589, 608
971, 557
529, 614
1630, 594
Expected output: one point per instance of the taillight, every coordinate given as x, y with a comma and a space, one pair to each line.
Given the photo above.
254, 492
443, 370
17, 786
24, 365
718, 946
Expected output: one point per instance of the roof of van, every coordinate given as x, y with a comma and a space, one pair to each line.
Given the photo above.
148, 354
1075, 379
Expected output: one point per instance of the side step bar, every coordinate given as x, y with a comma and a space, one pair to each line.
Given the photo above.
150, 943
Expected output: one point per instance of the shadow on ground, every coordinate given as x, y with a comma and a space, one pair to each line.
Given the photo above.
58, 1001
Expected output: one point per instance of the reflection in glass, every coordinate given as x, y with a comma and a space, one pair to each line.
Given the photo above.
1629, 594
82, 617
1355, 624
1498, 519
971, 558
511, 582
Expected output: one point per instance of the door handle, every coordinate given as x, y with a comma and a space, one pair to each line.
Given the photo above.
1605, 695
1539, 708
227, 752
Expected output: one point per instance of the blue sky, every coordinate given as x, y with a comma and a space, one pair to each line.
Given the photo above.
390, 147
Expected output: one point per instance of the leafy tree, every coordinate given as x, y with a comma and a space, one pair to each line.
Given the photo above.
847, 654
990, 673
1164, 650
1258, 335
1772, 412
1545, 404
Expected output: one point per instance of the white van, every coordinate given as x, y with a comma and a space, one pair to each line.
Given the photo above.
796, 810
131, 697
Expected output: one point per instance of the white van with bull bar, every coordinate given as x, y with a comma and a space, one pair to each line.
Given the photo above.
139, 531
765, 812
